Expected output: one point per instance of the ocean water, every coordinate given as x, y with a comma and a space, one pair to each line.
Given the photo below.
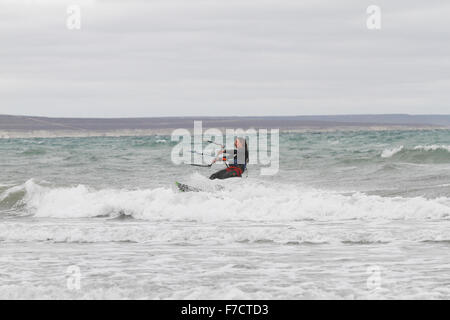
350, 215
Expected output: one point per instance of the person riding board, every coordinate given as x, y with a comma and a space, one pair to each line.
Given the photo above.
237, 158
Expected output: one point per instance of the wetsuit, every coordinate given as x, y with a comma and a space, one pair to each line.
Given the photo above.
235, 168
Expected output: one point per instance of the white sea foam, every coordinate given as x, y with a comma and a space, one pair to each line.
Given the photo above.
292, 234
433, 147
388, 153
253, 201
285, 241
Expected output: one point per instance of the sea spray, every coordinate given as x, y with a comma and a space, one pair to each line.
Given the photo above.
253, 201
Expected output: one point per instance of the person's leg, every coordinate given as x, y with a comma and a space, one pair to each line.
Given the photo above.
222, 174
226, 173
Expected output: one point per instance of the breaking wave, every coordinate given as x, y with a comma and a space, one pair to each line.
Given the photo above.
433, 147
388, 153
419, 154
252, 201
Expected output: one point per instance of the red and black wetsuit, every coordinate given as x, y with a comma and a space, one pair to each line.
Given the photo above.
237, 166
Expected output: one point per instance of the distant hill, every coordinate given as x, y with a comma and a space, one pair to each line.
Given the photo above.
82, 126
385, 119
9, 122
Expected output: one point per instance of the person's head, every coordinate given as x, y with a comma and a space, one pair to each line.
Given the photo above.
239, 143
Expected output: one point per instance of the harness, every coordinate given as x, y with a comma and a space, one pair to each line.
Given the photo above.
236, 171
235, 162
235, 167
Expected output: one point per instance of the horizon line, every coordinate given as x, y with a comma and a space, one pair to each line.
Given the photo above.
228, 116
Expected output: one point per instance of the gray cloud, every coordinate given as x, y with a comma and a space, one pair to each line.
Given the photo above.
248, 57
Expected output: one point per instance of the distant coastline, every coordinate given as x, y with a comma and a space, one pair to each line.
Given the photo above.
43, 127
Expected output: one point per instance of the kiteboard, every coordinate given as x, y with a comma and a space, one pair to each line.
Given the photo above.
185, 188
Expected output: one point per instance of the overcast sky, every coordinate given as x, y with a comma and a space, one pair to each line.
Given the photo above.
224, 57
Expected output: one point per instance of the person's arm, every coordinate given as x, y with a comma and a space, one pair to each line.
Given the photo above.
223, 151
231, 152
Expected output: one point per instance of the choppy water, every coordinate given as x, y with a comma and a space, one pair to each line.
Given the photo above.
349, 215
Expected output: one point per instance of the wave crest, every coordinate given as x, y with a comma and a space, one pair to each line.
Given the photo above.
419, 154
433, 147
252, 201
388, 153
